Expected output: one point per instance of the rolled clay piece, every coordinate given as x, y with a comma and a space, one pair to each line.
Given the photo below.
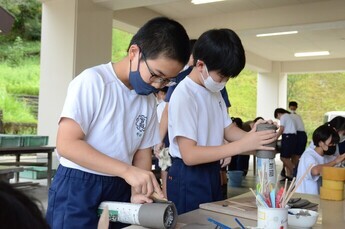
266, 153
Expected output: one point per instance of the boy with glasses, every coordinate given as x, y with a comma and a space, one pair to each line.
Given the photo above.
108, 127
199, 122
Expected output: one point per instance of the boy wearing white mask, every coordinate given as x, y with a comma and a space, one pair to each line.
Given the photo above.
199, 122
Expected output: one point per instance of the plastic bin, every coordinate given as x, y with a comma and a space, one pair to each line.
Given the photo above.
235, 178
8, 140
34, 140
35, 172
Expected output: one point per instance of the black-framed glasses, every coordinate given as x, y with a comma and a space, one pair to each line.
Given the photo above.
158, 79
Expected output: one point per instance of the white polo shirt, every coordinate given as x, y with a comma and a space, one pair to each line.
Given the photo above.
197, 114
288, 123
115, 120
310, 184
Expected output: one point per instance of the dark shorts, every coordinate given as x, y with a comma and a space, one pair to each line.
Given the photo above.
289, 143
301, 142
189, 186
74, 197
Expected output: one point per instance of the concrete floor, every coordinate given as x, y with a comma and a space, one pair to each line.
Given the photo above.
40, 192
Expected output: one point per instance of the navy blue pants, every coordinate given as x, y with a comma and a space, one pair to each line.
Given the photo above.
301, 142
289, 144
74, 197
189, 186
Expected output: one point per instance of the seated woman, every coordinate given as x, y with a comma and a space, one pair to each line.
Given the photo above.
324, 137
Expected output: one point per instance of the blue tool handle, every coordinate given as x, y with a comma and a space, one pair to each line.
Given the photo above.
219, 224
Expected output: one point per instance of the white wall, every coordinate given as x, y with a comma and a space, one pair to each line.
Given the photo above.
271, 91
72, 31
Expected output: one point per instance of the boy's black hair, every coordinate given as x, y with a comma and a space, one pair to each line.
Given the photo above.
280, 111
163, 36
238, 121
323, 132
338, 123
293, 104
222, 51
258, 118
18, 210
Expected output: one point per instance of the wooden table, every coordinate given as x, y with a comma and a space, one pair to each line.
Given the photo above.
6, 172
332, 214
18, 151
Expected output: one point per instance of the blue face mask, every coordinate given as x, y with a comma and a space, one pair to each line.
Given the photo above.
139, 85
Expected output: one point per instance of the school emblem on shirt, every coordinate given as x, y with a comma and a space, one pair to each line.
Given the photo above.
140, 123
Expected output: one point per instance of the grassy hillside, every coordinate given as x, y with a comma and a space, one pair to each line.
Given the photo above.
242, 95
19, 74
317, 94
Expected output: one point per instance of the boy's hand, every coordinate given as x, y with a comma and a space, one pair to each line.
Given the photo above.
224, 162
260, 121
142, 181
157, 149
340, 158
140, 199
258, 140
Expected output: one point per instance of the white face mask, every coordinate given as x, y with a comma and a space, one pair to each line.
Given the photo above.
210, 84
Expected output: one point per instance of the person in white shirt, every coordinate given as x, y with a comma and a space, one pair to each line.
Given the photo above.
301, 134
287, 129
109, 125
198, 122
338, 124
324, 137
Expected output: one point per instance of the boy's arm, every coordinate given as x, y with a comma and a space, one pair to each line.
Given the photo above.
192, 154
71, 145
316, 170
163, 130
280, 131
163, 125
233, 133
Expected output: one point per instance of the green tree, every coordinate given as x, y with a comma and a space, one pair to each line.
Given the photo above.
16, 53
121, 40
27, 23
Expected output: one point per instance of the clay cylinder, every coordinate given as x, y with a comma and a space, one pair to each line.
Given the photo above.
266, 153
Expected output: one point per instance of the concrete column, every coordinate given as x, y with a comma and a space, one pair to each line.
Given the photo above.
76, 34
271, 91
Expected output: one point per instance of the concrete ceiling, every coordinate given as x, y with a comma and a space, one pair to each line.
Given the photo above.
320, 25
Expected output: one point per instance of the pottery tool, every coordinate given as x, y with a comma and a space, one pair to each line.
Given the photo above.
239, 223
259, 198
219, 224
273, 198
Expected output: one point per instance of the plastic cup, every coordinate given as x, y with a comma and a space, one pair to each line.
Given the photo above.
272, 218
